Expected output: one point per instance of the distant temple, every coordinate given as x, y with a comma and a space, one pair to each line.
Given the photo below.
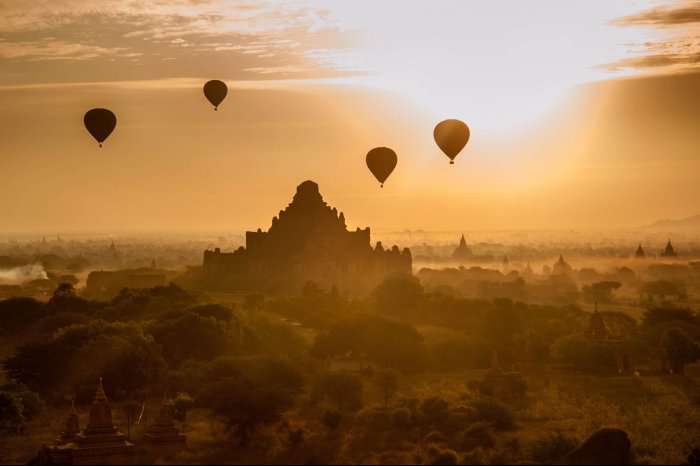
668, 250
621, 348
307, 241
163, 437
561, 267
462, 251
98, 443
640, 251
505, 264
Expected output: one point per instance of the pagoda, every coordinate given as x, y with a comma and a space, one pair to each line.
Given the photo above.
561, 267
163, 437
462, 251
640, 251
668, 250
98, 443
496, 382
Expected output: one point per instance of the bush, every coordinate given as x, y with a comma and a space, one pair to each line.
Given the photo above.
402, 417
446, 456
495, 413
434, 436
478, 435
434, 410
296, 437
518, 384
553, 448
332, 418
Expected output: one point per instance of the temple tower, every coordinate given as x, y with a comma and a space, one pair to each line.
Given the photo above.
163, 437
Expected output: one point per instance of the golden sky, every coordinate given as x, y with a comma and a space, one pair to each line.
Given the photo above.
583, 113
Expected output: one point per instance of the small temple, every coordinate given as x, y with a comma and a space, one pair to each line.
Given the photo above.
640, 251
505, 263
596, 326
496, 383
462, 252
163, 437
561, 267
668, 250
621, 348
99, 442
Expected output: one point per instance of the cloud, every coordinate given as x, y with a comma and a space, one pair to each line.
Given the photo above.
151, 40
656, 61
677, 46
665, 16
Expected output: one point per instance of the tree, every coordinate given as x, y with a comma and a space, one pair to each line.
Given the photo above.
387, 381
18, 405
398, 294
17, 314
342, 388
182, 403
601, 291
380, 340
680, 349
663, 288
243, 406
189, 336
79, 354
434, 410
249, 392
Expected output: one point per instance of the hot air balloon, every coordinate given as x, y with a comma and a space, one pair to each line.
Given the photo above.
451, 136
381, 161
215, 91
100, 122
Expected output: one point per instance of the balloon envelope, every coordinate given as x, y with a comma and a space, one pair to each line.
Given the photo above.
451, 136
381, 161
215, 91
100, 122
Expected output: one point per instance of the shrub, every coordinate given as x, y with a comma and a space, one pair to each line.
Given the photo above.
434, 436
552, 448
402, 417
332, 418
446, 456
434, 410
478, 435
495, 413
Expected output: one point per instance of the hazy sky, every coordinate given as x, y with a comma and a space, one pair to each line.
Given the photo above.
582, 113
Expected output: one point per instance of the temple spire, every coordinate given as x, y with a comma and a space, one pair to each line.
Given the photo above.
495, 365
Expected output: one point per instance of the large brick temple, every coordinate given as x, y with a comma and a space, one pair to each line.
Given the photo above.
309, 240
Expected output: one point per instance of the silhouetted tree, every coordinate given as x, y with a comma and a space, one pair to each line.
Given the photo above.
680, 349
601, 291
342, 388
17, 406
387, 381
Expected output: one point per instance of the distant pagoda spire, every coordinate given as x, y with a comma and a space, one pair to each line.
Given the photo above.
163, 432
640, 251
462, 251
596, 326
100, 419
495, 365
71, 428
668, 251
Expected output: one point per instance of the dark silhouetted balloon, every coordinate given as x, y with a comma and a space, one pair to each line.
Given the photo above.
100, 122
215, 91
381, 162
451, 136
